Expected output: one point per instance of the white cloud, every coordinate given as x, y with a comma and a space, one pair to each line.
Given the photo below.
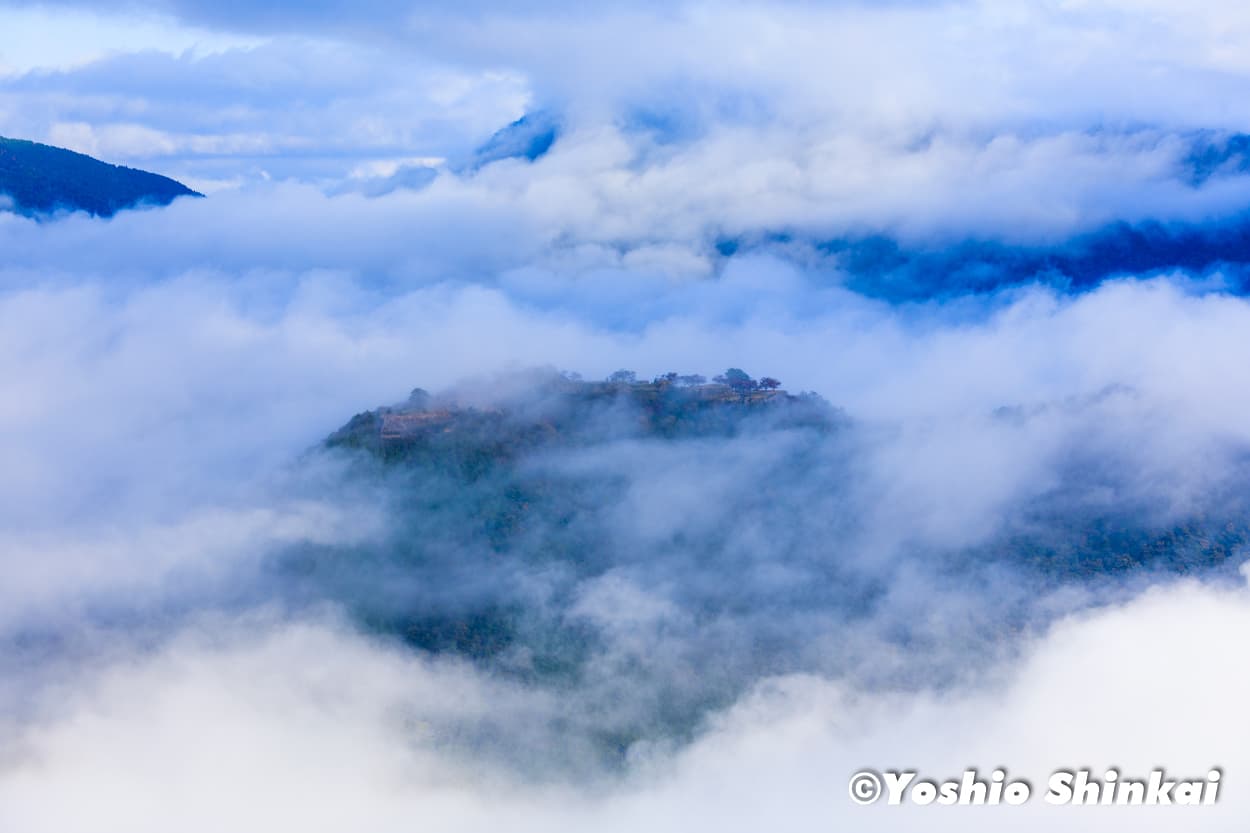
164, 373
83, 35
257, 723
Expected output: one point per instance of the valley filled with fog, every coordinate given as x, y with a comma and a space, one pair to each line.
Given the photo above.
982, 501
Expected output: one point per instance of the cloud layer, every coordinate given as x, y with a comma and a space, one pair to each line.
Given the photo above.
1007, 240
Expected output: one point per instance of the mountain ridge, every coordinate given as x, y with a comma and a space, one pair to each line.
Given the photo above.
568, 410
42, 180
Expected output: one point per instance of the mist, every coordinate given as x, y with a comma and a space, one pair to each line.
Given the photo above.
994, 254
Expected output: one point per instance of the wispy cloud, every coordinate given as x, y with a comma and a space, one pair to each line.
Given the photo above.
1008, 240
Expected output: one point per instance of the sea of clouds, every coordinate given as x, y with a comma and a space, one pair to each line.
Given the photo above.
166, 376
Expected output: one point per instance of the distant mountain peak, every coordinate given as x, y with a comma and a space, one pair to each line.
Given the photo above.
529, 138
41, 180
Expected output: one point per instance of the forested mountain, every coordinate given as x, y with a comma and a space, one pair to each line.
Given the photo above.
40, 180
